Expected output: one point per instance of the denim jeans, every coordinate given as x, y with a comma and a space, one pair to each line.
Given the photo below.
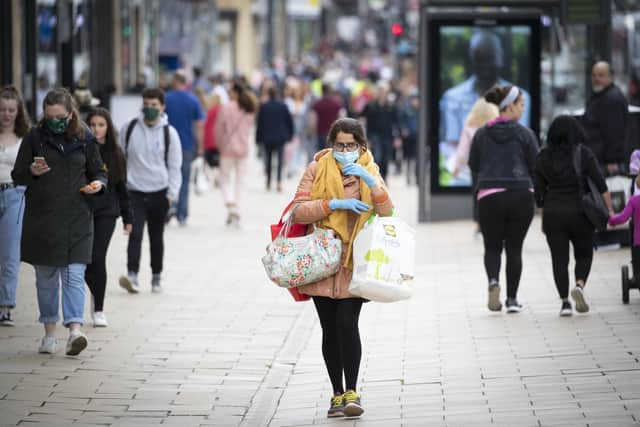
48, 281
183, 199
11, 211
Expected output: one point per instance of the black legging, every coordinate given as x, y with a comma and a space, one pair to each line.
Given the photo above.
278, 149
96, 273
504, 221
341, 347
563, 225
149, 208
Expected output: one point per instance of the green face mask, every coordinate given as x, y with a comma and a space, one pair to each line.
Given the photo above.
58, 126
150, 113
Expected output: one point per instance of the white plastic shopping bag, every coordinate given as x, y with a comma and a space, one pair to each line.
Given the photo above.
384, 260
200, 180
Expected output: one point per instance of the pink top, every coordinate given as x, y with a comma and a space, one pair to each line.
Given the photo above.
632, 209
232, 129
489, 191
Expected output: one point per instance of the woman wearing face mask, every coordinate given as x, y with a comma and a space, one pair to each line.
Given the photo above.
340, 189
14, 125
60, 164
106, 209
502, 161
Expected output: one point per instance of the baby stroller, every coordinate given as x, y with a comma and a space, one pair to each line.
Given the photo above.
632, 282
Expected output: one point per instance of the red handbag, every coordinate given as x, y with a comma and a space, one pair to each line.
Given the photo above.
295, 230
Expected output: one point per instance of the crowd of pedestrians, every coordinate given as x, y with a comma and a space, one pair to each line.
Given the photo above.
81, 175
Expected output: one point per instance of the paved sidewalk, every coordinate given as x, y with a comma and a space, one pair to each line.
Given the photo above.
222, 346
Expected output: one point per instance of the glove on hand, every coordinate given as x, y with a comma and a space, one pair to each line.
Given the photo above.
354, 205
355, 169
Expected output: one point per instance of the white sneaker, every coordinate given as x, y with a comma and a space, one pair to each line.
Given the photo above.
156, 286
130, 283
48, 345
577, 294
77, 342
99, 319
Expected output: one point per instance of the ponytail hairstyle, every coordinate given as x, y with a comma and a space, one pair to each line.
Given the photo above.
22, 123
246, 99
61, 96
498, 93
113, 157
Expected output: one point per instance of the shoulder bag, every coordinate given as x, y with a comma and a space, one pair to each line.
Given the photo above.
592, 203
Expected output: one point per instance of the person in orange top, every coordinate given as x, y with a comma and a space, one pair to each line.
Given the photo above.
340, 189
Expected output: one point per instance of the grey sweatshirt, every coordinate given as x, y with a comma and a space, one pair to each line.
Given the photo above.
146, 169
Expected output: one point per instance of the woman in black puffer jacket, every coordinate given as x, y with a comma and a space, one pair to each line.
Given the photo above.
59, 163
502, 160
106, 209
563, 219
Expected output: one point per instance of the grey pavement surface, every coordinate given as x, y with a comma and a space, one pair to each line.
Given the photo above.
223, 346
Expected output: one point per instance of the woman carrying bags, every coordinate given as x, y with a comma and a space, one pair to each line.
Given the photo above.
340, 189
60, 164
106, 209
502, 160
563, 219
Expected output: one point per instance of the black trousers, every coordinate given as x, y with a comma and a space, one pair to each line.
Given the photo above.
504, 221
564, 224
341, 347
278, 149
149, 208
96, 273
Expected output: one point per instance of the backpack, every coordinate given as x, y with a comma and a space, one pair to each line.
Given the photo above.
167, 140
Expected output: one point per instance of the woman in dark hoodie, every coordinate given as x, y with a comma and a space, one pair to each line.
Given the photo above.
502, 160
563, 219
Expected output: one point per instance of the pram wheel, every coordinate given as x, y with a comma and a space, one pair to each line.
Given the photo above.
625, 284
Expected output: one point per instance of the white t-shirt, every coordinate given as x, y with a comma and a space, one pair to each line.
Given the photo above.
8, 157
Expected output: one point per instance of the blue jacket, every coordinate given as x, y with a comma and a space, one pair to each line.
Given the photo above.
274, 123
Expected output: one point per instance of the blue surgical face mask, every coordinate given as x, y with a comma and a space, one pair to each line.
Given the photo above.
344, 158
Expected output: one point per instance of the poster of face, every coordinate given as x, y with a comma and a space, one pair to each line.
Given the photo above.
472, 60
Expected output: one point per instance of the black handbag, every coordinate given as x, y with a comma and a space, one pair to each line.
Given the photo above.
593, 204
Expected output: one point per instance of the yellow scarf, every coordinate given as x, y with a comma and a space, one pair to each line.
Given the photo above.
327, 185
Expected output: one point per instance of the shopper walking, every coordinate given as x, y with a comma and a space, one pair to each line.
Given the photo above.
185, 115
14, 125
563, 220
233, 126
60, 164
274, 128
154, 156
106, 209
383, 127
326, 111
340, 190
502, 160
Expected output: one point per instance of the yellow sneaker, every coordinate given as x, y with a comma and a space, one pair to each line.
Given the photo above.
352, 405
336, 407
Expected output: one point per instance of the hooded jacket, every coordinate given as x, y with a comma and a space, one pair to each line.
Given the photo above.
57, 228
146, 168
503, 155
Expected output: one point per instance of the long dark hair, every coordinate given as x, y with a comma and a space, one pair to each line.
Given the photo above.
23, 123
61, 96
246, 100
565, 132
113, 157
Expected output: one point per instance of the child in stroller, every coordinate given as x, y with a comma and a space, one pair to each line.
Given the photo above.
631, 210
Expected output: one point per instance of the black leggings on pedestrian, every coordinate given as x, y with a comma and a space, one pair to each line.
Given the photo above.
96, 273
269, 151
563, 225
341, 347
504, 221
149, 208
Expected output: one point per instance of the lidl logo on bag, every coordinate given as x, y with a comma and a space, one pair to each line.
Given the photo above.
390, 230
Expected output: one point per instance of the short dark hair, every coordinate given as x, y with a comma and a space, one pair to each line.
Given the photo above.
153, 93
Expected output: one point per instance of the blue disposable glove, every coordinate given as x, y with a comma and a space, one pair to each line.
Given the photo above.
355, 169
354, 205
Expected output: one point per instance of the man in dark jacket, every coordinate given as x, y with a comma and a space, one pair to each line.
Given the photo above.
605, 120
274, 129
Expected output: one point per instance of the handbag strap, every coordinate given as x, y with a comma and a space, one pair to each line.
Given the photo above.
577, 165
